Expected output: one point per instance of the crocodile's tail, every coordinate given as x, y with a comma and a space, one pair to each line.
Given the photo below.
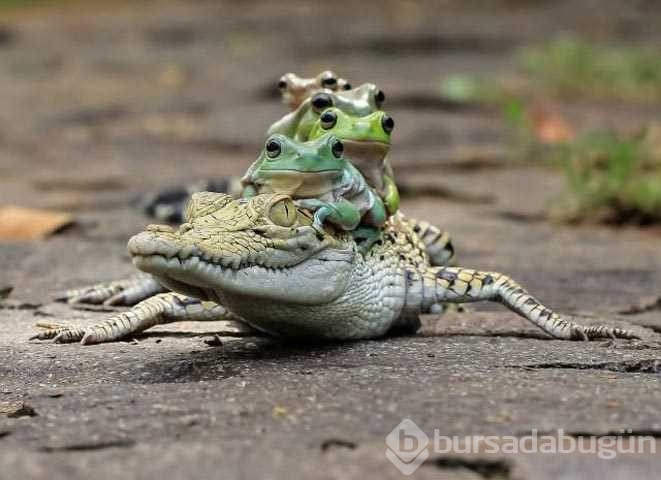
168, 204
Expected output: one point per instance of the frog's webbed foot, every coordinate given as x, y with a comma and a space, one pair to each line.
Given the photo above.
121, 292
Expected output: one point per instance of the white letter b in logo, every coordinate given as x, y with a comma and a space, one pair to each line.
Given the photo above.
407, 447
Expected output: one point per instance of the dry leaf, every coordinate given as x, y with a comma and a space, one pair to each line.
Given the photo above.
550, 127
18, 223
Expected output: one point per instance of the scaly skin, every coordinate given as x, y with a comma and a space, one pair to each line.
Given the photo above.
260, 260
366, 144
318, 176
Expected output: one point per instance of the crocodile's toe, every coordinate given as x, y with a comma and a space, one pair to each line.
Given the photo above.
598, 332
70, 335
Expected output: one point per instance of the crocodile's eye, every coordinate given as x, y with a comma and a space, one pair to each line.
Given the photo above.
273, 148
387, 123
282, 84
337, 148
320, 102
379, 98
328, 120
283, 212
346, 86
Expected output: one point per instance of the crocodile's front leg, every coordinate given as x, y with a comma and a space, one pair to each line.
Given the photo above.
164, 308
120, 292
459, 285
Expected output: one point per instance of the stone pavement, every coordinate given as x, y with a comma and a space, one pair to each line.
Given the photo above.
102, 103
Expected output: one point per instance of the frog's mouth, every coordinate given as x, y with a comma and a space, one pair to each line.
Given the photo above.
298, 184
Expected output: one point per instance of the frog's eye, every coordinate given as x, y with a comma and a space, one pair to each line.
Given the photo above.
282, 84
347, 86
387, 123
283, 212
273, 148
337, 148
379, 98
330, 82
320, 102
328, 120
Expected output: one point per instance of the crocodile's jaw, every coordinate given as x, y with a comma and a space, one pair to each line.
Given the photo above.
319, 279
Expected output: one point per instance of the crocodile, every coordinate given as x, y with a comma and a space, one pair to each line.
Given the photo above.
260, 262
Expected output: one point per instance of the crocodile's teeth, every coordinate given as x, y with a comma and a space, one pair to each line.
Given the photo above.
193, 262
187, 251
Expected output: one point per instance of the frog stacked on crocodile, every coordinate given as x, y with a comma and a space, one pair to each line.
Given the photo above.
309, 243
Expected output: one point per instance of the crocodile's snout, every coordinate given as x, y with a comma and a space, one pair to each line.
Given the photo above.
152, 243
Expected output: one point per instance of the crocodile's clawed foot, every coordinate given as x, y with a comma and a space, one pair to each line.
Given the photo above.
596, 332
95, 295
122, 292
61, 335
86, 336
119, 299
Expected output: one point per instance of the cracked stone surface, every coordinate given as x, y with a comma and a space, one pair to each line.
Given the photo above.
100, 105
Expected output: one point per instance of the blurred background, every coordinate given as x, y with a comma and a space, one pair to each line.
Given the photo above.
112, 95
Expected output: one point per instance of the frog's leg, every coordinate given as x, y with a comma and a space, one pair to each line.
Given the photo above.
342, 213
288, 125
390, 194
377, 215
438, 243
249, 191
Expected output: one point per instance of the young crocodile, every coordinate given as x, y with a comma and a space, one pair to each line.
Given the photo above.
260, 260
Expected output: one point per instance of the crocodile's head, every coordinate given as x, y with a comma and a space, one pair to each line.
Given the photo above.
262, 248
